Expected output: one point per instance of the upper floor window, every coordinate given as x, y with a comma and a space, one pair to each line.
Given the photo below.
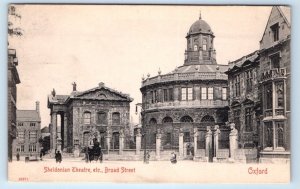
22, 148
87, 118
248, 119
20, 124
32, 124
102, 118
21, 135
279, 95
33, 136
187, 93
204, 45
166, 95
210, 93
195, 47
249, 80
116, 118
224, 93
237, 86
275, 32
275, 60
171, 98
32, 148
268, 96
203, 93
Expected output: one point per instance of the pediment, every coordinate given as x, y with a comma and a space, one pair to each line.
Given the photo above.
103, 93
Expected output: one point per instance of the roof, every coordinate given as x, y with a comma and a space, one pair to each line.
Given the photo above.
60, 99
28, 115
200, 26
252, 57
45, 130
201, 68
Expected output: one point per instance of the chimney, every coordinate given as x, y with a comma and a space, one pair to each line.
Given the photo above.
37, 106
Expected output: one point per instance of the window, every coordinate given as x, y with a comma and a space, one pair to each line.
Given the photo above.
269, 134
171, 98
186, 119
187, 93
166, 95
32, 124
275, 32
210, 93
21, 135
248, 119
152, 97
268, 96
204, 45
195, 48
237, 85
183, 93
275, 61
20, 124
102, 118
279, 94
32, 136
32, 148
168, 138
87, 118
22, 148
203, 93
116, 118
224, 93
249, 80
155, 96
280, 132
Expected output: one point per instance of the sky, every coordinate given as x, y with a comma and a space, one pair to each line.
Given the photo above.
117, 45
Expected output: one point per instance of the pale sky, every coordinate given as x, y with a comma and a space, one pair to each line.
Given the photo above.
118, 44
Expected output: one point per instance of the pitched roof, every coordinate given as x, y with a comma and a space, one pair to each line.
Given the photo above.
28, 115
60, 99
45, 130
252, 58
201, 68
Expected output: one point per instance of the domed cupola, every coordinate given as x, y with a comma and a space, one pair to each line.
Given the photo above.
200, 48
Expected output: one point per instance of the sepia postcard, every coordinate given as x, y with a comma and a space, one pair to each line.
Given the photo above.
149, 93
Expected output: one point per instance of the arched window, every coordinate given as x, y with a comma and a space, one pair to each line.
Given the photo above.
167, 120
280, 137
87, 118
195, 47
101, 118
204, 45
186, 119
116, 118
152, 121
207, 119
269, 136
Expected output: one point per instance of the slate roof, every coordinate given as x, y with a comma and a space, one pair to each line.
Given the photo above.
252, 57
28, 115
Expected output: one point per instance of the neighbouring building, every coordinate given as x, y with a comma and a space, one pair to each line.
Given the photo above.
28, 132
259, 90
99, 113
13, 80
182, 107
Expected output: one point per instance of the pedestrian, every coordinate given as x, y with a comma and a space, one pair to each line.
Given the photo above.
41, 154
18, 156
58, 157
173, 158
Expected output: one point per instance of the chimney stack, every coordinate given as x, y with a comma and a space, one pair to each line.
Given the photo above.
37, 106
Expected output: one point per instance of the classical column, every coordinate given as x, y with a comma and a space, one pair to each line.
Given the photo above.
66, 131
233, 141
195, 141
216, 142
138, 140
180, 143
158, 143
208, 143
53, 134
108, 138
121, 142
59, 139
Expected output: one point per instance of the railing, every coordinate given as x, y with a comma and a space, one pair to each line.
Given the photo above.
184, 77
194, 103
273, 74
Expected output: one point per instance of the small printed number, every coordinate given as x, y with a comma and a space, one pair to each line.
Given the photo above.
23, 179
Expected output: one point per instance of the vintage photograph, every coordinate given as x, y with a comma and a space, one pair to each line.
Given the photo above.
149, 93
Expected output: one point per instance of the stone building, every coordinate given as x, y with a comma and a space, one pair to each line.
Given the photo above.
13, 80
182, 107
28, 132
259, 90
275, 83
244, 101
78, 118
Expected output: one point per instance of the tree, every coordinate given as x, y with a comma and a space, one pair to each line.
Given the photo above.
13, 29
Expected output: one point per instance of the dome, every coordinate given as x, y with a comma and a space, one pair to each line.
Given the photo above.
200, 26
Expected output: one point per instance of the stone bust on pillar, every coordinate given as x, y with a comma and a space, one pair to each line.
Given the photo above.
233, 130
158, 134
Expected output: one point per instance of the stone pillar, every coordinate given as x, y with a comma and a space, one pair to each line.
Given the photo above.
121, 142
197, 92
181, 144
54, 134
176, 93
208, 143
108, 138
216, 142
59, 138
76, 151
195, 141
158, 144
138, 142
233, 141
65, 132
